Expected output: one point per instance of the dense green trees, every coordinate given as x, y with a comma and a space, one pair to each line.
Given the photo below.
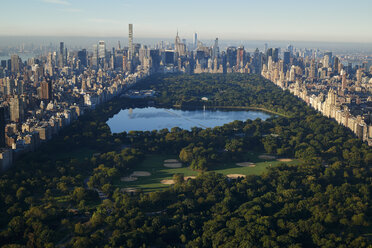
234, 90
50, 200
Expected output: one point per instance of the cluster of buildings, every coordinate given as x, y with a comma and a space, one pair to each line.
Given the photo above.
338, 91
40, 96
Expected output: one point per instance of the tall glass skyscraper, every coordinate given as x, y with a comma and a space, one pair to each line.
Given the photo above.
195, 40
130, 40
101, 49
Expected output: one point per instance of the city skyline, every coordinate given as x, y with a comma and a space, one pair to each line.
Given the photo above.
243, 124
334, 21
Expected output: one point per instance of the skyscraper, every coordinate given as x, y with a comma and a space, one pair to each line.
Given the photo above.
335, 64
195, 40
240, 57
216, 49
168, 57
290, 49
269, 53
61, 58
82, 55
286, 59
16, 109
3, 64
329, 54
155, 59
179, 47
10, 86
276, 54
257, 61
61, 47
15, 63
95, 55
231, 56
344, 82
130, 40
101, 49
46, 90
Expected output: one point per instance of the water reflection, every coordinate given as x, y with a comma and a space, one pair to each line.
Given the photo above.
148, 119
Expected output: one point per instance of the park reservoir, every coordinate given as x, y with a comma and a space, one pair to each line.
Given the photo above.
150, 118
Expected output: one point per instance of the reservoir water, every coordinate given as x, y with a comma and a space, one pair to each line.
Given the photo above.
148, 119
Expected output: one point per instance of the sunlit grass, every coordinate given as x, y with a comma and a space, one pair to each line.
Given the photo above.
155, 165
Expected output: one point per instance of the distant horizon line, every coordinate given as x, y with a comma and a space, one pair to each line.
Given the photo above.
170, 38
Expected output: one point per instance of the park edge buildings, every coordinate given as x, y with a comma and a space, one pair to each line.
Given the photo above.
41, 96
44, 94
337, 91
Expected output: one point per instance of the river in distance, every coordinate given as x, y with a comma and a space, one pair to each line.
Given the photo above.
148, 119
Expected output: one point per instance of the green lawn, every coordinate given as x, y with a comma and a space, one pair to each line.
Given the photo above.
261, 165
154, 165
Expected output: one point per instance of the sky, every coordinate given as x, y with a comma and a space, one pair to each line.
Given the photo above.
296, 20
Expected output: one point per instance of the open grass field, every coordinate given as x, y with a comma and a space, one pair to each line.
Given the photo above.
261, 165
155, 165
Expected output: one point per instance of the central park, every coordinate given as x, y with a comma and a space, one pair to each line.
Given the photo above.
292, 179
160, 175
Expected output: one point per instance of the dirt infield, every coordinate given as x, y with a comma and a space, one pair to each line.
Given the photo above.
141, 174
173, 165
285, 159
265, 156
246, 164
235, 176
167, 181
128, 179
171, 161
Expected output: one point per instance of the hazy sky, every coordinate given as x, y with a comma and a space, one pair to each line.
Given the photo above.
320, 20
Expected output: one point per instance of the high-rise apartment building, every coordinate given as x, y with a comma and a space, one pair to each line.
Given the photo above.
101, 49
336, 61
62, 55
329, 54
195, 40
286, 59
179, 47
16, 109
155, 59
275, 55
15, 63
130, 42
240, 56
216, 49
82, 55
269, 53
95, 55
343, 82
10, 86
326, 61
231, 56
46, 92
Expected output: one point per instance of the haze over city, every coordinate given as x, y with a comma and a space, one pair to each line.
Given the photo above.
337, 21
189, 123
